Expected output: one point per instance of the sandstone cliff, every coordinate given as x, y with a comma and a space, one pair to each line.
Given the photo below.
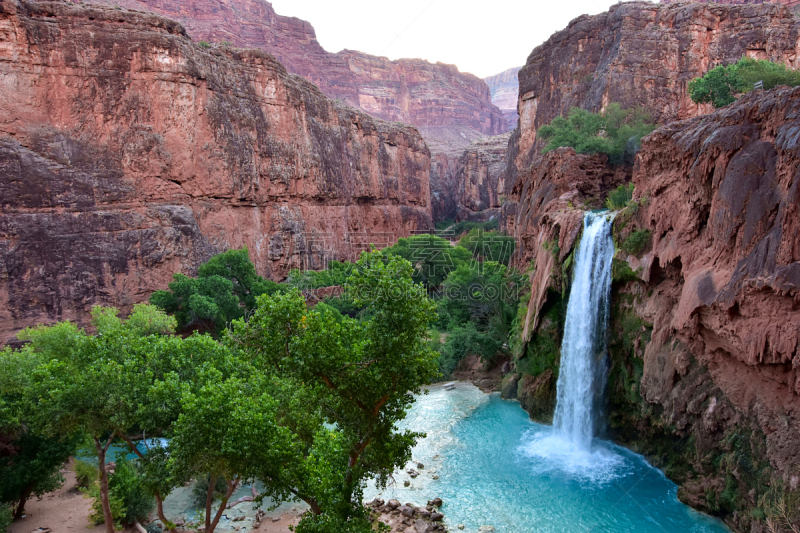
480, 177
505, 93
789, 3
128, 153
705, 342
451, 108
643, 54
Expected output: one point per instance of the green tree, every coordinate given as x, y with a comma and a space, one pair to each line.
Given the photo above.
229, 430
433, 257
615, 132
362, 377
226, 288
722, 85
30, 463
90, 383
488, 245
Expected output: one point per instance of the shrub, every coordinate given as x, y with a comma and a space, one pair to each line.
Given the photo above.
200, 489
130, 502
636, 241
85, 474
615, 132
489, 245
204, 44
467, 340
721, 85
5, 517
620, 197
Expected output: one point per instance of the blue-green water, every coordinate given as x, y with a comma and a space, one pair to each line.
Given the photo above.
496, 467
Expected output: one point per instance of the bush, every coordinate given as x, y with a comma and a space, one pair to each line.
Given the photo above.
636, 241
620, 197
721, 85
467, 340
85, 474
204, 44
489, 245
130, 502
615, 132
5, 517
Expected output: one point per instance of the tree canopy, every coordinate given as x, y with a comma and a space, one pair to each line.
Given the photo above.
615, 132
723, 85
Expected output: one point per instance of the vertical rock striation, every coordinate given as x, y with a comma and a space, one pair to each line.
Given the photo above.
128, 153
481, 177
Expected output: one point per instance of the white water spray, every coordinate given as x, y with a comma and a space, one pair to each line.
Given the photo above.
581, 377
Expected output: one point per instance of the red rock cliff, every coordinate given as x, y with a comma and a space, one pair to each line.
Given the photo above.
128, 153
790, 3
644, 54
505, 93
705, 339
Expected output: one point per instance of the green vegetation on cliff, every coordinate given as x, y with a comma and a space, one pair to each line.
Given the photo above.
615, 132
723, 85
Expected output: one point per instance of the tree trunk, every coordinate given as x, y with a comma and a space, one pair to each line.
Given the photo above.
101, 465
212, 481
23, 499
156, 494
231, 488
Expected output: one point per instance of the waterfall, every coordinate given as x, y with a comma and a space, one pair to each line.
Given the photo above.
581, 379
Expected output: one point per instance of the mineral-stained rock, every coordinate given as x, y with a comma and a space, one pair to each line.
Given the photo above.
505, 91
128, 153
643, 54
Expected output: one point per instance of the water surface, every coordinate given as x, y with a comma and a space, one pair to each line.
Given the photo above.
496, 467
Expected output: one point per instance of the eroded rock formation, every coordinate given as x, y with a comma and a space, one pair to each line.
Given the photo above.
644, 54
789, 3
705, 342
505, 92
128, 153
481, 177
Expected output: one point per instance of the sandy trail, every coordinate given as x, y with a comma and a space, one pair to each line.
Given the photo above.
67, 511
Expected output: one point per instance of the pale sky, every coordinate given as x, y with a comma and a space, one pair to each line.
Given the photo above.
483, 38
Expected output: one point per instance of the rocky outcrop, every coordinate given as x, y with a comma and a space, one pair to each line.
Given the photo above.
704, 347
505, 92
128, 153
643, 54
789, 3
480, 176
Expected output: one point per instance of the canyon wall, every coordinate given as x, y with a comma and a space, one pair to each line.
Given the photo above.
129, 153
643, 54
451, 108
704, 342
789, 3
480, 177
504, 88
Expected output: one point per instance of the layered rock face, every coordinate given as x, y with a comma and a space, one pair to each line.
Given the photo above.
705, 339
644, 54
451, 108
505, 92
129, 153
480, 177
790, 3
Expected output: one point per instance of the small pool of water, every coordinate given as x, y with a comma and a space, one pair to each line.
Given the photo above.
496, 467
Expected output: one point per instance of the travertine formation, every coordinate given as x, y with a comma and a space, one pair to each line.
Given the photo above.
644, 54
128, 153
705, 340
505, 92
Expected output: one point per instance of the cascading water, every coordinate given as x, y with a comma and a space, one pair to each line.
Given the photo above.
583, 350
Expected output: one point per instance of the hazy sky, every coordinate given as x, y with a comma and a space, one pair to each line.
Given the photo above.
483, 38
